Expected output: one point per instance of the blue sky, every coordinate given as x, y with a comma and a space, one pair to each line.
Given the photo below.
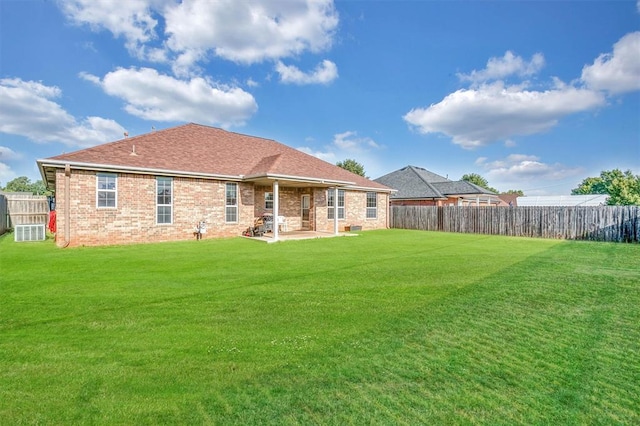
532, 95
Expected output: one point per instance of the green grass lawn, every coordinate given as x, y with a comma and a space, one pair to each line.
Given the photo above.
390, 327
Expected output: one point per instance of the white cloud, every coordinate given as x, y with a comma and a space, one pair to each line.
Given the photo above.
251, 31
327, 156
349, 145
491, 110
7, 154
526, 172
153, 96
6, 174
132, 19
350, 142
324, 73
344, 145
247, 31
478, 117
508, 65
27, 109
617, 72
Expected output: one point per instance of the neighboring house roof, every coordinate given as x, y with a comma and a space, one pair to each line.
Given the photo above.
417, 183
202, 151
509, 199
412, 182
564, 200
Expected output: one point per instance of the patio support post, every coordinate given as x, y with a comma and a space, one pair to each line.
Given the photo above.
335, 210
276, 189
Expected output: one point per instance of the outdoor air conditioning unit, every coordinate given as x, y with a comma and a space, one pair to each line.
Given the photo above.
29, 232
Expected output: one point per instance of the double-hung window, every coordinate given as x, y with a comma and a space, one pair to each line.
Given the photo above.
372, 205
106, 190
268, 200
231, 203
331, 203
164, 200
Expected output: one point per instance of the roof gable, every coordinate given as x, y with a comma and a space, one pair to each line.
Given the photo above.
412, 182
202, 150
428, 176
418, 183
461, 187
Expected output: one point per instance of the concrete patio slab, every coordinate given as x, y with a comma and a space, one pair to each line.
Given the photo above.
299, 235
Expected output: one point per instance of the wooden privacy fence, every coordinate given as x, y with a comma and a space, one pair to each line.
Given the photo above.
25, 209
599, 223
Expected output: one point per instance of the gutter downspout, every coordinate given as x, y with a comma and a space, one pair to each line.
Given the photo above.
389, 218
335, 211
67, 205
276, 209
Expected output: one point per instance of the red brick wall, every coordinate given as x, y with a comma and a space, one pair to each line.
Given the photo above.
355, 204
133, 220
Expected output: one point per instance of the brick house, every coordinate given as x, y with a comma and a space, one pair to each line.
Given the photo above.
159, 186
416, 186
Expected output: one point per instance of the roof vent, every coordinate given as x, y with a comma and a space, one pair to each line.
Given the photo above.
133, 150
29, 233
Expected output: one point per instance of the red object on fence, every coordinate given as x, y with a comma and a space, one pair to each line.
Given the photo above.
52, 221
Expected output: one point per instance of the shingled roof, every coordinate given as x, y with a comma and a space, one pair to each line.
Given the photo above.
203, 151
418, 183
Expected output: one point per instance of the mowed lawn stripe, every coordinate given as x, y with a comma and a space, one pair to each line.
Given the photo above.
394, 326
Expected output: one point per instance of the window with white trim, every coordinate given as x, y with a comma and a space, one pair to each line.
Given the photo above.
164, 200
268, 200
331, 204
372, 205
106, 190
231, 203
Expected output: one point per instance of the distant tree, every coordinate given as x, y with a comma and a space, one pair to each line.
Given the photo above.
19, 184
24, 184
517, 192
39, 188
597, 185
479, 180
623, 188
625, 192
352, 165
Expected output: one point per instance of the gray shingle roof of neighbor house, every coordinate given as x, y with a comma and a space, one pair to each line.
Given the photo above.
203, 151
413, 182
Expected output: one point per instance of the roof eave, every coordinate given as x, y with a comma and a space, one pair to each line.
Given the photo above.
418, 198
373, 189
300, 179
44, 163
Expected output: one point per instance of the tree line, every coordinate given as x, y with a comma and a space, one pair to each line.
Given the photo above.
24, 184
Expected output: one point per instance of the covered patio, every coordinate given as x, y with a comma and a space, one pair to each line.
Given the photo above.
307, 230
269, 237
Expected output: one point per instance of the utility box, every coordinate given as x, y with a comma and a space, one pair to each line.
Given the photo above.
29, 233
